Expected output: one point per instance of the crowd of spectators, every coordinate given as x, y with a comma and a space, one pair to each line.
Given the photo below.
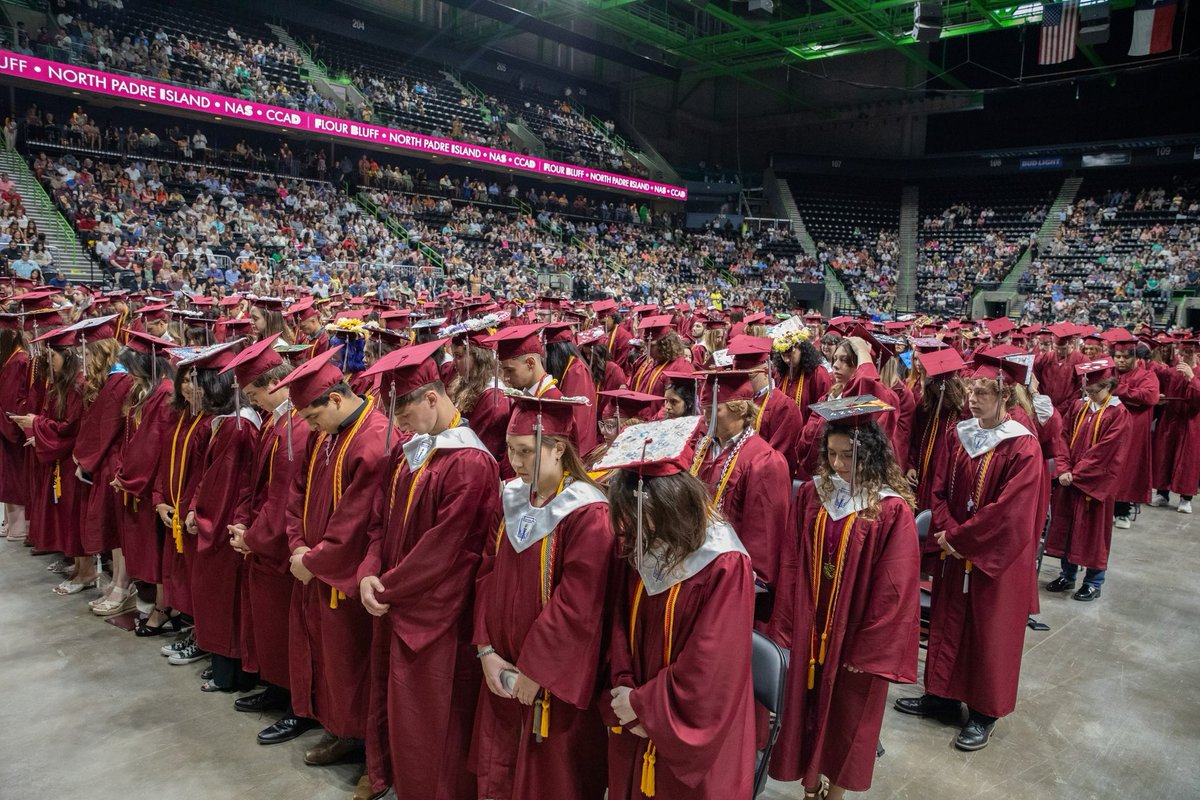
868, 268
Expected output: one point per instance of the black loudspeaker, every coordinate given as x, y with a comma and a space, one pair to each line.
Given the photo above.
807, 295
927, 22
1093, 24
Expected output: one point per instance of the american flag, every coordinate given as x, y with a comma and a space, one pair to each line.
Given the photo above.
1060, 24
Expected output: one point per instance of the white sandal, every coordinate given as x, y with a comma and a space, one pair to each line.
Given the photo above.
71, 587
111, 606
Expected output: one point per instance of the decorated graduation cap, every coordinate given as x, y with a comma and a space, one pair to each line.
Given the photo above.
591, 336
938, 363
312, 379
625, 404
750, 351
928, 344
1095, 371
519, 340
851, 412
268, 303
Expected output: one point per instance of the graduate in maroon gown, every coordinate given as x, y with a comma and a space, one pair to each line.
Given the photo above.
607, 374
310, 329
221, 499
427, 532
618, 410
942, 405
179, 470
1176, 452
747, 480
1137, 390
343, 466
567, 365
667, 353
147, 415
1055, 370
799, 371
848, 604
680, 701
540, 619
985, 521
478, 393
15, 381
779, 421
1082, 521
260, 536
616, 336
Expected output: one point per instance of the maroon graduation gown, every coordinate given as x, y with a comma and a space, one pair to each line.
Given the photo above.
424, 674
1176, 451
1138, 390
179, 470
100, 430
267, 590
904, 423
833, 729
806, 389
649, 377
699, 711
15, 381
1057, 378
489, 420
220, 497
756, 500
928, 446
780, 424
54, 438
577, 382
330, 634
614, 378
140, 528
618, 346
1081, 525
560, 648
976, 636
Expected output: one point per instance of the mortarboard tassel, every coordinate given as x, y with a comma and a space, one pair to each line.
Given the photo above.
537, 458
237, 404
387, 443
712, 419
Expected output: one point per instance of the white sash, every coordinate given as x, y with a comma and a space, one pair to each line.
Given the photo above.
526, 524
977, 440
841, 504
718, 538
418, 448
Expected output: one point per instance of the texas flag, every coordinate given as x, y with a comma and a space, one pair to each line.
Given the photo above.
1153, 22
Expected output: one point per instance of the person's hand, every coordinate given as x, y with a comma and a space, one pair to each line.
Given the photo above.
1066, 479
638, 730
493, 665
526, 690
189, 524
367, 588
30, 442
855, 670
237, 538
621, 705
1182, 367
911, 476
940, 537
116, 484
861, 348
23, 421
165, 512
299, 571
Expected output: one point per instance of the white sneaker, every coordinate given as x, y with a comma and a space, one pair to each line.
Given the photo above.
1159, 501
1122, 522
1185, 507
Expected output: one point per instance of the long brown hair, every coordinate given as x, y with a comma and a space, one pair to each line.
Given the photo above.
877, 467
953, 396
66, 380
572, 462
667, 349
675, 508
465, 393
100, 356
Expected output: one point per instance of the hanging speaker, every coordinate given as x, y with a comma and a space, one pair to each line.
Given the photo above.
927, 22
1093, 24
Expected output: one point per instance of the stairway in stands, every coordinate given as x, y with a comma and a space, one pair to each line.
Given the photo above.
342, 93
71, 262
789, 208
1066, 196
906, 285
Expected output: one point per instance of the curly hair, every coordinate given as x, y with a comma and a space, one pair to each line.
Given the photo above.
810, 359
876, 464
746, 409
668, 348
676, 513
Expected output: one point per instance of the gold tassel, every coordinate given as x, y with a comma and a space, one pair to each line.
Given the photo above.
617, 729
57, 480
821, 660
812, 672
177, 531
544, 731
648, 760
334, 596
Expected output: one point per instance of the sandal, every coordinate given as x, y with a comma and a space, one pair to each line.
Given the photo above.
211, 686
69, 586
171, 624
120, 601
63, 566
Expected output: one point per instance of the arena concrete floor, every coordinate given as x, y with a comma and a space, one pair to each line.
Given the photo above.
1109, 704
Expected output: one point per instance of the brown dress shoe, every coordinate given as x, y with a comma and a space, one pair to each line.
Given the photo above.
330, 750
363, 790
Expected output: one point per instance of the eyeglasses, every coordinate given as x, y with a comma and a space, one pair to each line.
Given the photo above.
607, 425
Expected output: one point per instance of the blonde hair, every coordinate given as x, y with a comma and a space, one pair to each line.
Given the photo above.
746, 409
99, 355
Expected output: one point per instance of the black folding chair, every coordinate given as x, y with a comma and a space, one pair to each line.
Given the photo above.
768, 666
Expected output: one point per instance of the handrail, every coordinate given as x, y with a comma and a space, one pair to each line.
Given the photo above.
433, 256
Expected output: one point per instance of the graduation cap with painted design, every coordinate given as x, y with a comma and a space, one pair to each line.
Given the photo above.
652, 449
591, 336
1097, 370
851, 412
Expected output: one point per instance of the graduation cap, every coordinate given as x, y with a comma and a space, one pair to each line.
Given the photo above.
405, 371
230, 301
1063, 331
257, 359
628, 404
518, 340
723, 386
539, 417
945, 361
35, 300
1096, 371
1119, 337
928, 344
993, 364
750, 351
312, 379
851, 412
396, 320
80, 333
303, 309
591, 336
560, 332
268, 303
226, 328
215, 356
142, 342
654, 449
999, 326
656, 327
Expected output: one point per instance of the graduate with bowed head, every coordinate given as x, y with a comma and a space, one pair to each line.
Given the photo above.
680, 703
847, 604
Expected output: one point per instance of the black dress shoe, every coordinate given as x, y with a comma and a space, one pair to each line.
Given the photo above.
285, 730
1060, 584
974, 735
1086, 593
267, 700
929, 705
